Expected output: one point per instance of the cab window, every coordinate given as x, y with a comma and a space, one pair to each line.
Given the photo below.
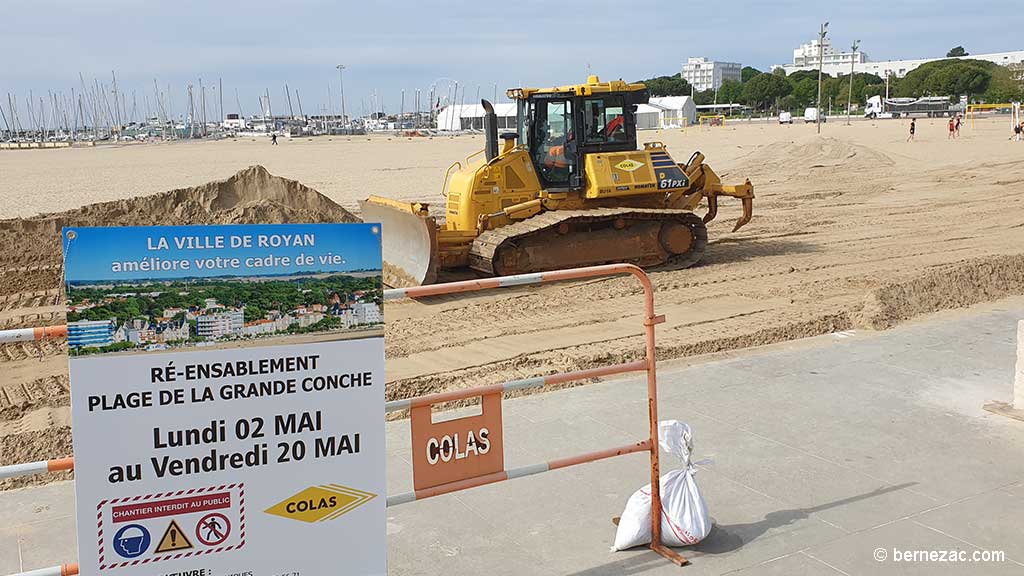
604, 120
554, 142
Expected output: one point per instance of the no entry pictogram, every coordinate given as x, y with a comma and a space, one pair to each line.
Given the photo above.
213, 529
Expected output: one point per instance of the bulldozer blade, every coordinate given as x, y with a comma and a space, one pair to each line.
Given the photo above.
408, 241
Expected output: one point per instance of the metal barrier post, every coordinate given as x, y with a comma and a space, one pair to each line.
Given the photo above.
470, 478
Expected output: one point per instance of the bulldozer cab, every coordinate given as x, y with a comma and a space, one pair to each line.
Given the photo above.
560, 126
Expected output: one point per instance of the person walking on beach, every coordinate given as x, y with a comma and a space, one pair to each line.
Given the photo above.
913, 127
273, 139
958, 119
952, 129
1017, 130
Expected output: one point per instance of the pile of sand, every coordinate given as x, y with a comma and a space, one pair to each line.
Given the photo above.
251, 196
34, 400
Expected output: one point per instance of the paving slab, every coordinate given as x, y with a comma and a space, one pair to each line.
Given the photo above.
907, 548
792, 565
10, 550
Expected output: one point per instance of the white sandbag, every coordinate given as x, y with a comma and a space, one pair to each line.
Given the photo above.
684, 515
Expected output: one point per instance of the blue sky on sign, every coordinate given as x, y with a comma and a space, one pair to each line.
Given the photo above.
390, 46
90, 254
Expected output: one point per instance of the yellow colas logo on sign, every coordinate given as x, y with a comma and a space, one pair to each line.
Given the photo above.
629, 165
320, 503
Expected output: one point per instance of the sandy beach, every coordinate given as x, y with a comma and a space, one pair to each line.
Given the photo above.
852, 229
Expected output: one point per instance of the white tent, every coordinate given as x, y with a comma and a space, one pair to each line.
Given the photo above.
648, 117
675, 110
458, 117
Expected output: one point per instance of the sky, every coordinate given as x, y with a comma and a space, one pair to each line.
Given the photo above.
89, 253
389, 46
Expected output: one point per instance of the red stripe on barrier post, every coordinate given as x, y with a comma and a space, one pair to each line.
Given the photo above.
60, 464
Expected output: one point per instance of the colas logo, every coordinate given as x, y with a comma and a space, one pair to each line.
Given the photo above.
320, 503
629, 165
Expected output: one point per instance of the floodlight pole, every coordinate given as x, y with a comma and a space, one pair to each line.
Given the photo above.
341, 78
821, 63
849, 98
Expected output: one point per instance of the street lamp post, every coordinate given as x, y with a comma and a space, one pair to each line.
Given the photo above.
821, 62
341, 78
849, 97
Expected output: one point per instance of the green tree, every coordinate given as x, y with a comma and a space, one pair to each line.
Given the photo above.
704, 97
958, 51
762, 90
1003, 87
674, 85
730, 92
805, 91
952, 77
748, 72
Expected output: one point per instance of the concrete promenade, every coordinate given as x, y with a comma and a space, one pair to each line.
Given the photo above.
822, 455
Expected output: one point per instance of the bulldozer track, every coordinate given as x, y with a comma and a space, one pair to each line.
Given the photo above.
32, 299
32, 320
47, 391
487, 245
16, 351
30, 278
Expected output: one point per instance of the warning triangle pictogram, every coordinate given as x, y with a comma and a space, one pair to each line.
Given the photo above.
174, 539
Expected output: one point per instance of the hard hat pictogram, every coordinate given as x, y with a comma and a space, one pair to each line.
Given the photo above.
131, 541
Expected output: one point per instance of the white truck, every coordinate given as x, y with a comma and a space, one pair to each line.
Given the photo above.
930, 106
811, 116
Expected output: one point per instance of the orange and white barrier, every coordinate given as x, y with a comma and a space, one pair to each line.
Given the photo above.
30, 334
466, 452
40, 467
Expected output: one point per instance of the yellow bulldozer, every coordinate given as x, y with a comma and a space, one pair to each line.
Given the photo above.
568, 188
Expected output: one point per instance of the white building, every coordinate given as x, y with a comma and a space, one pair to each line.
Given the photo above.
458, 117
267, 326
212, 326
807, 55
838, 63
174, 332
367, 313
304, 320
704, 74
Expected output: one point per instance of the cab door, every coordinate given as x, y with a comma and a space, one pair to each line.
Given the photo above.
554, 145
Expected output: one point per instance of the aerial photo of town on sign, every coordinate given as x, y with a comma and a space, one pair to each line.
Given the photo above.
142, 306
